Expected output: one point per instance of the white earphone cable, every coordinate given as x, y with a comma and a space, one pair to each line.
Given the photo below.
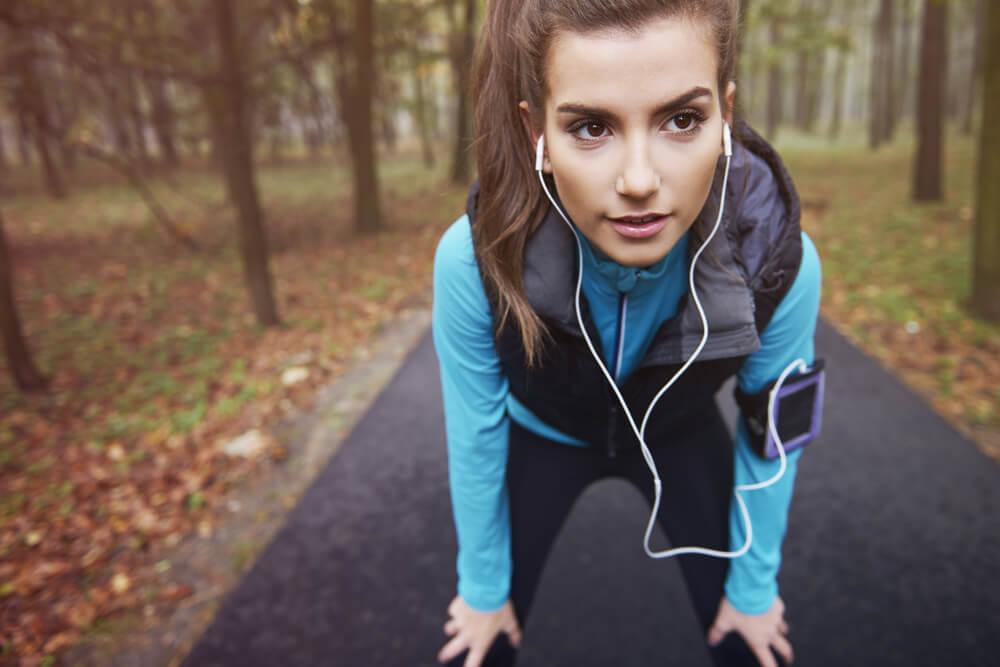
640, 432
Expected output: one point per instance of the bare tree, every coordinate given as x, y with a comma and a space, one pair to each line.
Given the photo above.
32, 103
975, 69
462, 43
26, 375
774, 80
354, 81
3, 151
927, 182
904, 60
230, 109
370, 215
986, 247
882, 88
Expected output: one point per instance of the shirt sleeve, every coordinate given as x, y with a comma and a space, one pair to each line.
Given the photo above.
751, 584
474, 392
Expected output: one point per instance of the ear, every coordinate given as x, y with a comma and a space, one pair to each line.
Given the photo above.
525, 112
730, 102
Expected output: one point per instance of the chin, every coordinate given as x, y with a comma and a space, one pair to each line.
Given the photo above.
639, 257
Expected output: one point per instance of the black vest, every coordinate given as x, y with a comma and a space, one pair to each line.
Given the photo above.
757, 252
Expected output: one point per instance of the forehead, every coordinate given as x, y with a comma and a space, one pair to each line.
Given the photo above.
621, 70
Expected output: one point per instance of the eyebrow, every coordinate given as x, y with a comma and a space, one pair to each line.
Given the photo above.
679, 101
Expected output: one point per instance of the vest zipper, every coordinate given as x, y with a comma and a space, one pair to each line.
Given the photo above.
619, 350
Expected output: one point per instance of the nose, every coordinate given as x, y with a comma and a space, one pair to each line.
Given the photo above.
638, 179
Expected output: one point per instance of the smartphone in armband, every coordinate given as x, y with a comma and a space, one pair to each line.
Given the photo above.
798, 412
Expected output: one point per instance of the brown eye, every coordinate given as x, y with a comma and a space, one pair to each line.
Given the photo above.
686, 122
594, 131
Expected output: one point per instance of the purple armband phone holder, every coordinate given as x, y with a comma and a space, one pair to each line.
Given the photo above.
807, 391
798, 412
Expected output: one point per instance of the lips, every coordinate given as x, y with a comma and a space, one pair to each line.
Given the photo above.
639, 227
638, 219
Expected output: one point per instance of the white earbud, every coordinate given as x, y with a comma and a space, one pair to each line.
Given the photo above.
727, 139
539, 152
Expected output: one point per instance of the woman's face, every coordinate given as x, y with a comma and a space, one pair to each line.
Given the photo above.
633, 127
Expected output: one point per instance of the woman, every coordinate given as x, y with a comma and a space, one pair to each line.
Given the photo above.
572, 297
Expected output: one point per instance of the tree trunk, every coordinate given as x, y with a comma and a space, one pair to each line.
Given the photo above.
115, 117
976, 69
882, 77
774, 84
233, 133
369, 215
889, 75
803, 67
420, 108
26, 375
904, 63
136, 119
743, 106
31, 98
353, 80
162, 117
24, 135
4, 164
839, 83
744, 26
461, 64
986, 247
161, 113
927, 184
814, 90
310, 111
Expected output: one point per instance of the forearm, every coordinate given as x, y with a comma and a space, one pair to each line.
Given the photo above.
482, 519
751, 584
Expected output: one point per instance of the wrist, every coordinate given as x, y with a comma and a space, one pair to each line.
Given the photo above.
752, 605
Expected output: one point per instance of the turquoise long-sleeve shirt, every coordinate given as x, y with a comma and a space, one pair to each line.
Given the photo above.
478, 404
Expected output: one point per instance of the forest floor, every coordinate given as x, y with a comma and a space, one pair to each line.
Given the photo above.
157, 363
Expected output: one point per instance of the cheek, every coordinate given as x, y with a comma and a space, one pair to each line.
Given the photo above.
698, 181
578, 185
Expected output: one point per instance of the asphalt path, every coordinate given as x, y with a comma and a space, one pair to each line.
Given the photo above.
890, 557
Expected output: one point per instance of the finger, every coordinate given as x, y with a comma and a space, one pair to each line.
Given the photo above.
453, 648
784, 648
451, 626
515, 636
475, 657
764, 656
783, 627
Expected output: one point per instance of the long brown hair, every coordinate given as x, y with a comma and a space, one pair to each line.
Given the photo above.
509, 67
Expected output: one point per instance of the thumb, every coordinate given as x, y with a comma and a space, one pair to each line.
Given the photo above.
716, 633
514, 634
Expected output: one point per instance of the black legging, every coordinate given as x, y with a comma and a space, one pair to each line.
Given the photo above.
544, 479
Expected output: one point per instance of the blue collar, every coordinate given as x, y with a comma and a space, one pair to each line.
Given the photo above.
611, 277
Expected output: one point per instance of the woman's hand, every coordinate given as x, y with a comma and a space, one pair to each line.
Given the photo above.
760, 631
476, 630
